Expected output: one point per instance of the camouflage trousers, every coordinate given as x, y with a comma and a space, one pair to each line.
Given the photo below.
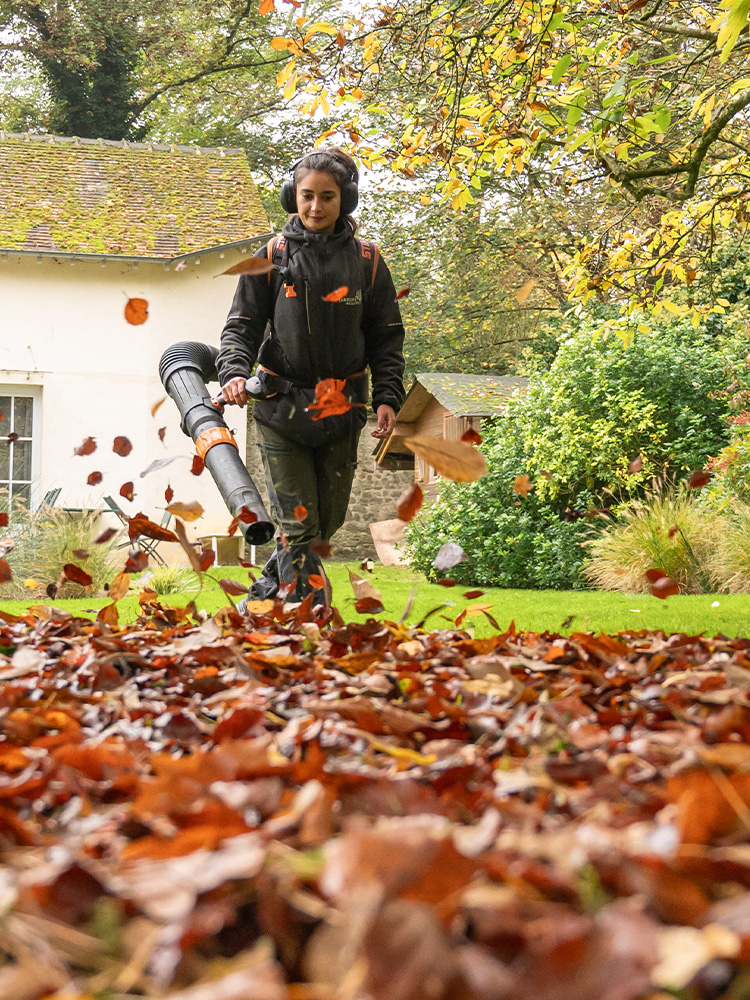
308, 492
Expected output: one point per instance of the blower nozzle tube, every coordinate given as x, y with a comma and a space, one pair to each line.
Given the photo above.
184, 370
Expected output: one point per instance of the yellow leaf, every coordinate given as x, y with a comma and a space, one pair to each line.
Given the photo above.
643, 329
455, 460
525, 290
280, 43
187, 511
30, 584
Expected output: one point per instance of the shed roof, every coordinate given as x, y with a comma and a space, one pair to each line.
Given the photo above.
462, 395
139, 200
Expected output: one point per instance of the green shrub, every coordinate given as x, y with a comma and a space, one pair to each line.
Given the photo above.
731, 468
510, 540
45, 540
603, 403
671, 532
171, 579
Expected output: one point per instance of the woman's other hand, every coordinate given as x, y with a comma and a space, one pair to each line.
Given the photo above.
386, 421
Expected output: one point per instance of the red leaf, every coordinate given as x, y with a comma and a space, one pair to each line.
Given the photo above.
126, 490
300, 512
207, 559
368, 605
447, 582
664, 587
77, 575
245, 515
136, 562
197, 466
12, 437
409, 502
5, 573
3, 519
94, 478
636, 465
470, 595
402, 294
169, 494
322, 549
121, 446
136, 311
673, 531
86, 448
105, 535
698, 479
337, 294
652, 575
471, 436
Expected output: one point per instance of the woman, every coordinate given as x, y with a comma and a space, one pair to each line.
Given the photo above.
331, 312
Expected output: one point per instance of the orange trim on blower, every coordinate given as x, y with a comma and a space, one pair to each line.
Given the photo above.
214, 435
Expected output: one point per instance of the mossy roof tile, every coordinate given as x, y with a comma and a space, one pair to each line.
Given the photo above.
118, 198
469, 395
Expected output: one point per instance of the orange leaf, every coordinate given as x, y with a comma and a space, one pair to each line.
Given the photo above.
300, 512
187, 511
316, 581
453, 459
108, 615
197, 466
266, 7
126, 490
156, 405
168, 493
369, 605
94, 478
140, 525
522, 485
471, 436
136, 311
251, 265
330, 400
337, 294
119, 586
652, 575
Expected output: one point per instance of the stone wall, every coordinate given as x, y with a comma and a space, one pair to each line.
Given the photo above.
374, 496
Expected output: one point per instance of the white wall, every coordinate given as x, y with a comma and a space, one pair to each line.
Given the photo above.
62, 327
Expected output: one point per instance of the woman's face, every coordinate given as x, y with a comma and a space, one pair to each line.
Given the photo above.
318, 200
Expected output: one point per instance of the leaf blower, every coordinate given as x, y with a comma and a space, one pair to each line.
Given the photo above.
185, 369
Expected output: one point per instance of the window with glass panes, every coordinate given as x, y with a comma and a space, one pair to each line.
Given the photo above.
16, 443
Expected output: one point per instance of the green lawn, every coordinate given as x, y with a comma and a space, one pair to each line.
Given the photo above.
532, 610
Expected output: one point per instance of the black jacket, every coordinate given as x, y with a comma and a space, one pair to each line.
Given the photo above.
318, 339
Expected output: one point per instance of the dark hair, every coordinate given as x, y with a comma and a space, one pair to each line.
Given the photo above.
332, 161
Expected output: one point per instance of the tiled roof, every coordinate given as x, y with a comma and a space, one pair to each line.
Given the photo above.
464, 395
92, 196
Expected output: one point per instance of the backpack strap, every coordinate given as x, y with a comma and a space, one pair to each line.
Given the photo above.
369, 256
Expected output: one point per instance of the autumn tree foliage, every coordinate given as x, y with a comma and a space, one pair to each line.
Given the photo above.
635, 106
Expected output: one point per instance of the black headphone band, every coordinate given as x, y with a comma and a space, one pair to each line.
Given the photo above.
353, 172
349, 192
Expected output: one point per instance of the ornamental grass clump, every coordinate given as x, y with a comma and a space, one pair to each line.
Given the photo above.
44, 541
670, 532
171, 579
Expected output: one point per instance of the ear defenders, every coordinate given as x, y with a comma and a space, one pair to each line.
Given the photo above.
349, 192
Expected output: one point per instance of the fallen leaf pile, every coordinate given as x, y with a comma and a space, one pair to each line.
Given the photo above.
270, 809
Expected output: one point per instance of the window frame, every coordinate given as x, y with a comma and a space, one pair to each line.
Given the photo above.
25, 391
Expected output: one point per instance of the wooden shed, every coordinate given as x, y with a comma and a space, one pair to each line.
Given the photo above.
443, 405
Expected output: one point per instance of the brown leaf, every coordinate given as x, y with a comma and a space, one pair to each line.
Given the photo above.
652, 575
187, 548
140, 525
108, 615
94, 478
136, 311
455, 460
77, 575
665, 587
322, 549
3, 519
636, 465
233, 587
197, 466
126, 490
409, 502
190, 511
121, 446
119, 586
251, 265
699, 478
207, 558
5, 573
369, 605
136, 562
88, 446
168, 494
161, 432
104, 536
81, 553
